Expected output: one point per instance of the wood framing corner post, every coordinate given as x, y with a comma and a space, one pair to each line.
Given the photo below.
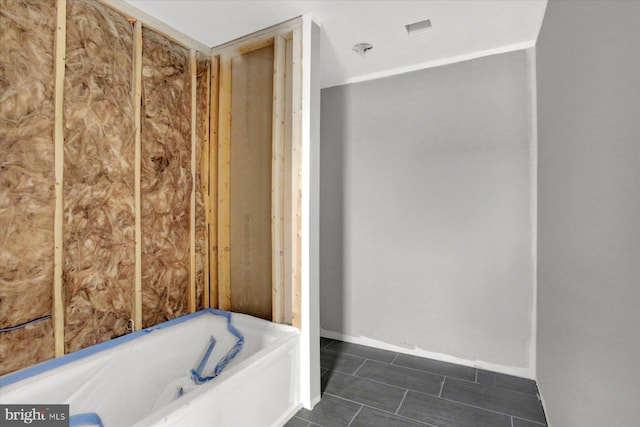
224, 164
277, 180
283, 228
58, 300
137, 105
213, 167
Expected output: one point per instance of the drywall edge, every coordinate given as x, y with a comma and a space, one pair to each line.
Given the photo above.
310, 213
481, 364
533, 203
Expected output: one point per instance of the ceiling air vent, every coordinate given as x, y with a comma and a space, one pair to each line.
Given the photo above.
418, 27
362, 48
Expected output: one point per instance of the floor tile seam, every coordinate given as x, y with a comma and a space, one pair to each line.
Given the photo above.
381, 410
374, 381
443, 362
359, 367
459, 378
307, 421
496, 387
422, 370
302, 419
335, 370
360, 356
403, 397
531, 421
327, 344
392, 363
390, 385
356, 414
480, 407
508, 376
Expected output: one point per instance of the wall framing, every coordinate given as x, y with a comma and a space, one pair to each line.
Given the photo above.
58, 301
208, 277
285, 225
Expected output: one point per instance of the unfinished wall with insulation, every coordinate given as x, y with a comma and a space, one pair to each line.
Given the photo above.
166, 182
27, 200
99, 156
203, 91
130, 195
106, 166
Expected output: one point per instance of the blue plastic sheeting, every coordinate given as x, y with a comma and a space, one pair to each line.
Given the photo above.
197, 373
87, 419
86, 352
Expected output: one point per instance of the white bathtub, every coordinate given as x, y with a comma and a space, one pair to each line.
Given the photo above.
134, 380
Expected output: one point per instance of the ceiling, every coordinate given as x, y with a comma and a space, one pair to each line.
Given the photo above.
460, 29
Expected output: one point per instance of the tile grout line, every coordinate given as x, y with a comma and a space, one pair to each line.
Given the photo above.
361, 365
530, 421
421, 370
356, 414
442, 387
383, 383
392, 363
480, 407
402, 401
484, 409
381, 410
510, 390
307, 421
431, 371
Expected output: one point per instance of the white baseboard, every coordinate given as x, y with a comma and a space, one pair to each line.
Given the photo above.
544, 406
508, 370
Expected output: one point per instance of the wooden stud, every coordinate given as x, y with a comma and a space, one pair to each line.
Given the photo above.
257, 44
257, 40
58, 138
212, 205
277, 180
192, 212
137, 105
204, 186
296, 180
224, 159
288, 294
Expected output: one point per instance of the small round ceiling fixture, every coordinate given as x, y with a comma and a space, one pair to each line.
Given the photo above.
362, 48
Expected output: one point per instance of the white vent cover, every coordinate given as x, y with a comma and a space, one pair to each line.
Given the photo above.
418, 27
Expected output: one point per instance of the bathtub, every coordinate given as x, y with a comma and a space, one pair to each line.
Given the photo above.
145, 379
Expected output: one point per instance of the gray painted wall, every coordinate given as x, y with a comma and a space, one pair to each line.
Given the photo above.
425, 201
589, 213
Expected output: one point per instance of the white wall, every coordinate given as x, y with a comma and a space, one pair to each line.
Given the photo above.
589, 213
310, 227
425, 214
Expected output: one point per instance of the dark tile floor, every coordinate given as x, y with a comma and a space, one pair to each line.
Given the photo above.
368, 387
